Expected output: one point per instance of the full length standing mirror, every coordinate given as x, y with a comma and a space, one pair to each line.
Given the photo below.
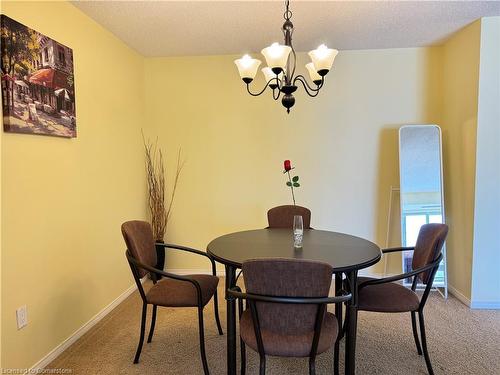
421, 189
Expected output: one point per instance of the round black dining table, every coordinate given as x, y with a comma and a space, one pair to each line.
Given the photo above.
345, 253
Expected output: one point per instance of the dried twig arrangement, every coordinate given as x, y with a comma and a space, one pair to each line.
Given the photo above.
155, 173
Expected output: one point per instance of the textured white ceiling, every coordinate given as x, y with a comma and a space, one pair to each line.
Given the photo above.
177, 28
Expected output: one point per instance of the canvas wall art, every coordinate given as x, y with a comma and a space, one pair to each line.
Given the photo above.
38, 88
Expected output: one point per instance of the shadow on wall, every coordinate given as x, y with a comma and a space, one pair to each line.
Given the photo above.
458, 182
388, 176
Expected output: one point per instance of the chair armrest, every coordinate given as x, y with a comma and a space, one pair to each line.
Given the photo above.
395, 249
183, 248
403, 275
165, 274
189, 250
236, 293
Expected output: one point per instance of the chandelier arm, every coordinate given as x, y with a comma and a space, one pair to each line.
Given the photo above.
294, 64
302, 79
262, 91
307, 88
280, 86
276, 97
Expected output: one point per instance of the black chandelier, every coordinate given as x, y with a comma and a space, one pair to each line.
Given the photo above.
281, 60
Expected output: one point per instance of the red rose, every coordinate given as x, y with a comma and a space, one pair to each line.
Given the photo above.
288, 165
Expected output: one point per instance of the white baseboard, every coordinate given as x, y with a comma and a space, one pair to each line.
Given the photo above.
458, 295
53, 354
485, 305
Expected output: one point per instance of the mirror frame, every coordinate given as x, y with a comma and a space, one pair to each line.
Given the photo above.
443, 285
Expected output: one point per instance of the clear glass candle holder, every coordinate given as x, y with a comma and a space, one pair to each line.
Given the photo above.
298, 231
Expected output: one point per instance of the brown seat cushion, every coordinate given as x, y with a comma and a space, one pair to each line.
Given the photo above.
287, 345
176, 293
388, 297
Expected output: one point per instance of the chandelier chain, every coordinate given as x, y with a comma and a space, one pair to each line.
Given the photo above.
288, 13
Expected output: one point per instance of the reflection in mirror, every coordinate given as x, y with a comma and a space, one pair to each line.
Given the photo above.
421, 187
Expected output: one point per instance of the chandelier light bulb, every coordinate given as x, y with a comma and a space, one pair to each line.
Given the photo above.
246, 60
322, 58
275, 50
247, 67
277, 56
313, 73
270, 76
322, 51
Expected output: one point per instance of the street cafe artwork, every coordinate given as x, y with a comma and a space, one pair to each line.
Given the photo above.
38, 88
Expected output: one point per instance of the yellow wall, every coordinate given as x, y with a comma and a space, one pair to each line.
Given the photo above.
460, 92
343, 143
64, 200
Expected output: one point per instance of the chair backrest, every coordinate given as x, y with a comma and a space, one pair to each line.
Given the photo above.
139, 238
282, 216
287, 278
430, 241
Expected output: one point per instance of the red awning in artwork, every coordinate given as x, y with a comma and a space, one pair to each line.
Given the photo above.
54, 79
7, 77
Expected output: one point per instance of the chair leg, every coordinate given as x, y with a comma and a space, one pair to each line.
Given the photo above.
202, 341
346, 322
243, 357
312, 365
338, 314
262, 365
153, 322
242, 343
338, 306
415, 333
143, 328
336, 354
216, 310
424, 342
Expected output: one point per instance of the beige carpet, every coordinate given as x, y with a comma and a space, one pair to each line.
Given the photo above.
461, 341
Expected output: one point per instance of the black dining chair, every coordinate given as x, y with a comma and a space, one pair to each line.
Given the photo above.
173, 290
286, 314
386, 296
